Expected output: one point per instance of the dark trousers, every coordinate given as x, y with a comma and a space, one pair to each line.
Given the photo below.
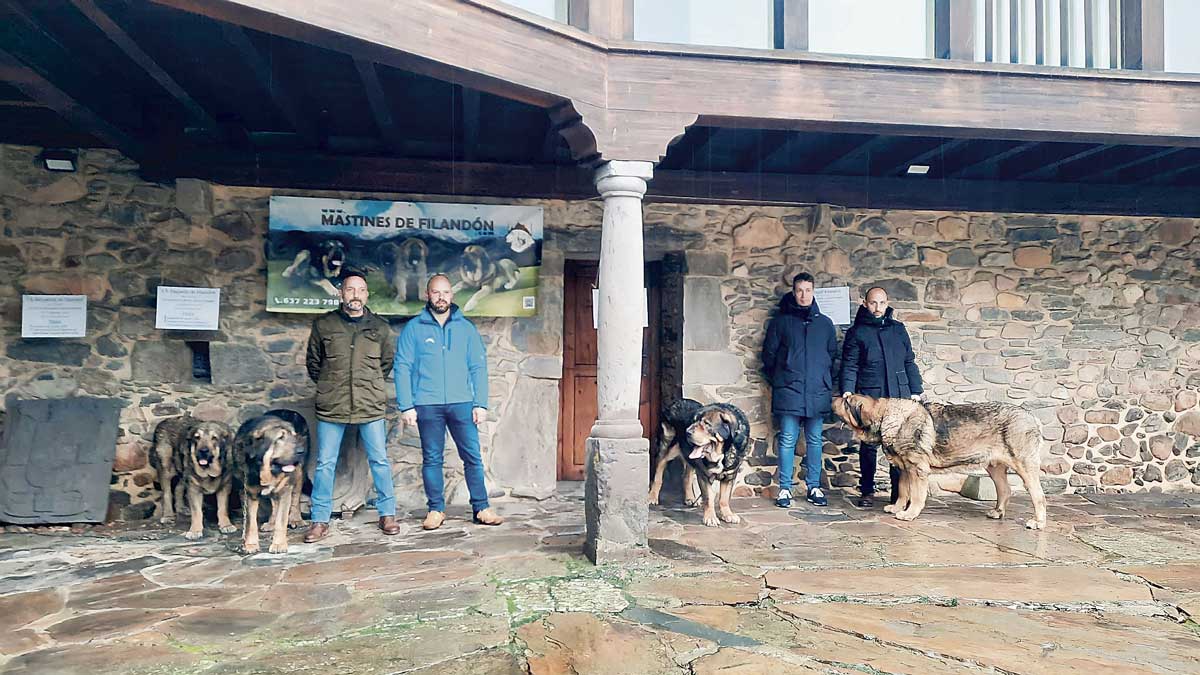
867, 455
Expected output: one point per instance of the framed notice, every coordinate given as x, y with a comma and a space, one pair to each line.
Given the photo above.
53, 316
834, 303
491, 253
182, 308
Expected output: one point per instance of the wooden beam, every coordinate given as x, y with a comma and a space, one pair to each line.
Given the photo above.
571, 182
126, 44
1166, 175
468, 41
611, 19
1047, 170
381, 110
263, 73
469, 119
992, 161
774, 144
38, 88
791, 24
848, 158
1102, 172
1142, 35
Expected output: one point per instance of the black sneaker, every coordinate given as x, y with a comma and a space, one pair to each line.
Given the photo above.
865, 502
817, 497
784, 500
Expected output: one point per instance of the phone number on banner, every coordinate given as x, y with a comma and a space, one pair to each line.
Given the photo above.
307, 302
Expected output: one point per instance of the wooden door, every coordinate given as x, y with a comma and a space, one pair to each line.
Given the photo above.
577, 399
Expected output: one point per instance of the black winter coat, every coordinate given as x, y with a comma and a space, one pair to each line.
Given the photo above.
798, 355
877, 358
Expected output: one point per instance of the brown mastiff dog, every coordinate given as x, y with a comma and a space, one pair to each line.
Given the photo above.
270, 451
921, 439
198, 454
711, 440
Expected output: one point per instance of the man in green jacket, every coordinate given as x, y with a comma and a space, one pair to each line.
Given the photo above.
350, 350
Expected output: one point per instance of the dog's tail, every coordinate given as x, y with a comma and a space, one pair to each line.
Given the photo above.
666, 438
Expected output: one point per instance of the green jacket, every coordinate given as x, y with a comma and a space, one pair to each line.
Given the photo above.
348, 360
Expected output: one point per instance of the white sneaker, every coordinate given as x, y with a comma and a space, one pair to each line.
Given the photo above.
784, 500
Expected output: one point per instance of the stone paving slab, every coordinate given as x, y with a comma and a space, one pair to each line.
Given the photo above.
1002, 584
1018, 641
1108, 587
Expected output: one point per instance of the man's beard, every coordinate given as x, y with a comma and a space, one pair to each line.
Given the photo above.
441, 307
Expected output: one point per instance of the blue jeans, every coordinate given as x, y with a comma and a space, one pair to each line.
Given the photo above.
432, 422
329, 445
785, 445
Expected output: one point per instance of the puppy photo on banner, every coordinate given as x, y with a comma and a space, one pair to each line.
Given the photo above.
492, 254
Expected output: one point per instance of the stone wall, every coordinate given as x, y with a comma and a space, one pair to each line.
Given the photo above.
1092, 323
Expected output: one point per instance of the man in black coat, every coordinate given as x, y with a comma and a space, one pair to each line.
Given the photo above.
798, 355
877, 360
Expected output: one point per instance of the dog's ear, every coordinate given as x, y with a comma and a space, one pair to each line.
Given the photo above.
865, 411
854, 408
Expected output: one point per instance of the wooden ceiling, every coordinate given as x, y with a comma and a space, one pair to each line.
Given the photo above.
187, 95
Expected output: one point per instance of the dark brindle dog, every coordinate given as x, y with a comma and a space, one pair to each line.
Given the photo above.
712, 440
320, 264
921, 439
198, 454
271, 450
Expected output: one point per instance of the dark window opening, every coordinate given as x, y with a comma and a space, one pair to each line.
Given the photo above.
201, 365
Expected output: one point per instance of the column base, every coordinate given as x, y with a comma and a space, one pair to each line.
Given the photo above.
615, 506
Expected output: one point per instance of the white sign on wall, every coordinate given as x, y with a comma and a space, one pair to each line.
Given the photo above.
182, 308
596, 308
834, 303
53, 316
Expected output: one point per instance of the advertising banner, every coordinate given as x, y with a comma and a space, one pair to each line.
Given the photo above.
491, 253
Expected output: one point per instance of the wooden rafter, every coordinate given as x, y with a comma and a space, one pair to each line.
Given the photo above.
136, 54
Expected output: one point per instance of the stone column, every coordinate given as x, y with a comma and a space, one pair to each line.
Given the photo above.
618, 457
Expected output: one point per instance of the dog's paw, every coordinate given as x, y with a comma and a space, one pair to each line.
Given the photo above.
167, 520
652, 499
1034, 524
229, 529
995, 514
294, 523
731, 517
692, 502
277, 548
250, 548
890, 508
267, 526
193, 535
905, 515
711, 520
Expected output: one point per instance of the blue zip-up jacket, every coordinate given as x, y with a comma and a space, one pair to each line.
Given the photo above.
438, 365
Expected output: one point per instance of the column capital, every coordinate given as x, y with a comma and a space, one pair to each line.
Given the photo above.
618, 178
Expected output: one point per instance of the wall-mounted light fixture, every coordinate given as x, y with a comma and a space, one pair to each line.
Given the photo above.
59, 160
918, 169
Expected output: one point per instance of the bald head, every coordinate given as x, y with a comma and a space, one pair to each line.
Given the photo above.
876, 302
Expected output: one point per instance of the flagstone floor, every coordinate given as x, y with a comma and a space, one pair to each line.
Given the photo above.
1110, 587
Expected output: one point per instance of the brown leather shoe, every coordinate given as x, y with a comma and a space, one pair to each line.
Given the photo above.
433, 520
389, 525
316, 532
488, 517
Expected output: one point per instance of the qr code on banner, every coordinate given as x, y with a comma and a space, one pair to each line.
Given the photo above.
528, 302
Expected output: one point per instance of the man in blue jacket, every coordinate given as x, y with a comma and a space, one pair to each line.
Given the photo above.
442, 383
877, 360
798, 355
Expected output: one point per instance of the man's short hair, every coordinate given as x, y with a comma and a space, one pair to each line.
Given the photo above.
803, 276
352, 272
875, 288
438, 275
